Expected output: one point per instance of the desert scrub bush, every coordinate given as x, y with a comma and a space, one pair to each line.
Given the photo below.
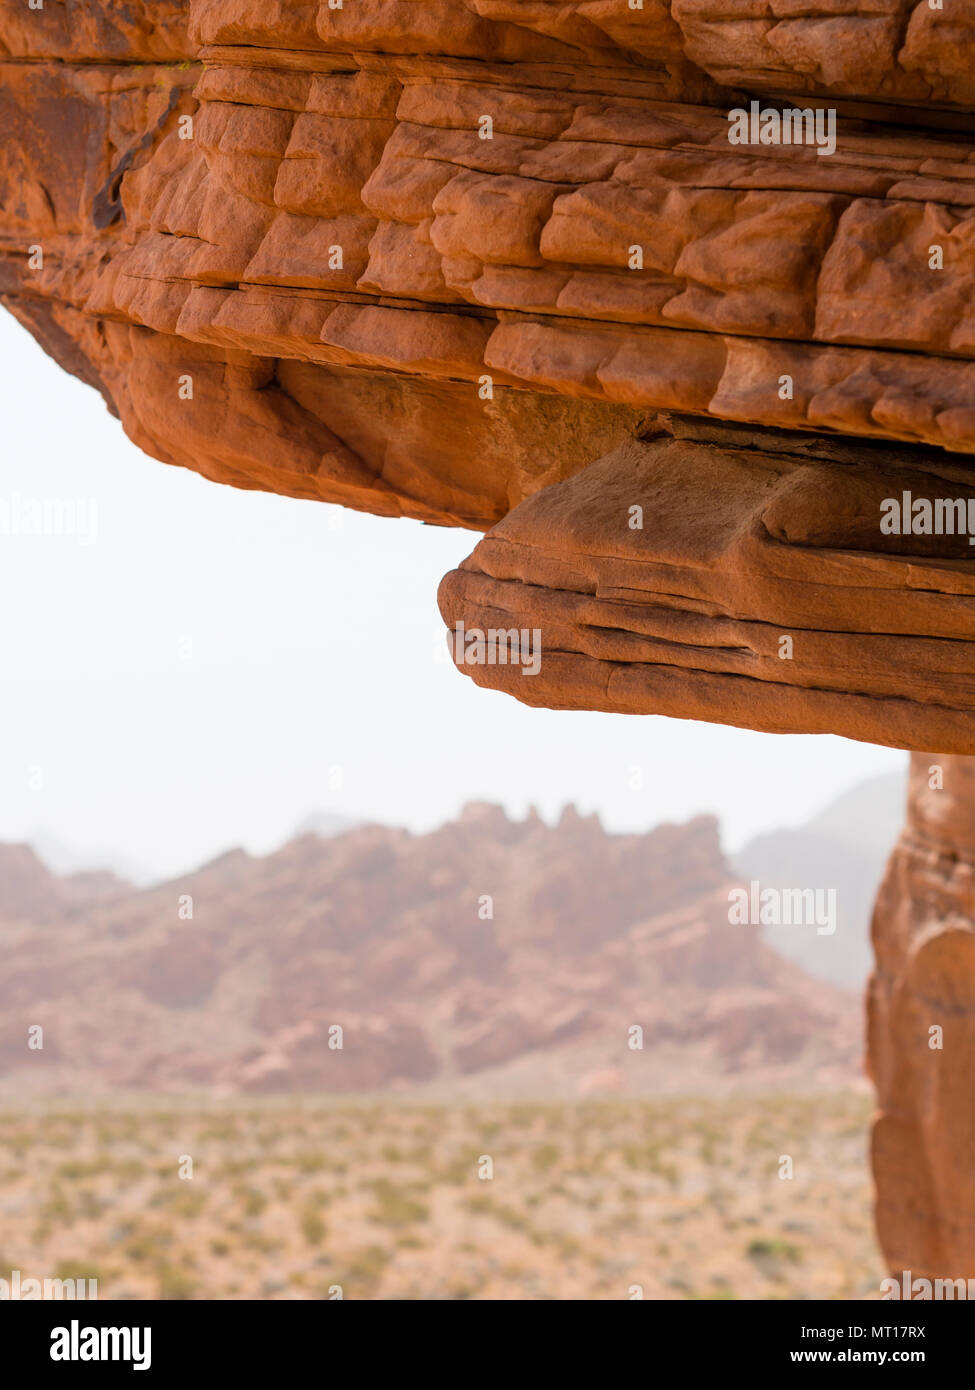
251, 1200
707, 1149
224, 1128
312, 1225
774, 1249
188, 1203
175, 1284
257, 1240
57, 1210
147, 1245
396, 1207
314, 1161
130, 1169
545, 1157
457, 1172
481, 1203
75, 1170
670, 1174
91, 1204
460, 1290
364, 1268
641, 1157
772, 1256
515, 1220
74, 1269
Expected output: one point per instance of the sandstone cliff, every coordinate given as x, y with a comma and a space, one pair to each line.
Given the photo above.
921, 1036
431, 257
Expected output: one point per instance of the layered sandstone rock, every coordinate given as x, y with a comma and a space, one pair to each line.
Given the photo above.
722, 576
429, 259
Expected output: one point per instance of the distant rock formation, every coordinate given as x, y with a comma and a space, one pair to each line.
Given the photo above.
509, 953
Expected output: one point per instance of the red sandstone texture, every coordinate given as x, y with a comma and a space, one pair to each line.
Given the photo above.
289, 211
921, 1033
723, 604
603, 307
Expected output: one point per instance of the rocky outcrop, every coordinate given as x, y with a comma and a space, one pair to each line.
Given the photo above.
486, 951
718, 576
921, 1030
311, 247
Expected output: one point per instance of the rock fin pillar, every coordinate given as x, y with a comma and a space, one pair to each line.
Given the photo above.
921, 1028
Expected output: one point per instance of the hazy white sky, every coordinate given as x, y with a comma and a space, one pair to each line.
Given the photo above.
315, 644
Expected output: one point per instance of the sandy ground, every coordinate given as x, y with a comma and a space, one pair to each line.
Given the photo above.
312, 1199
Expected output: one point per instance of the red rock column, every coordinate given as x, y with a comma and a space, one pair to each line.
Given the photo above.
921, 1028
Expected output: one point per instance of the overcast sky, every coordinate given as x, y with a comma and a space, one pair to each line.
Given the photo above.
188, 673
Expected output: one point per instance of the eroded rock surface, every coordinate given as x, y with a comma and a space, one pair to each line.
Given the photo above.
278, 241
922, 1028
736, 579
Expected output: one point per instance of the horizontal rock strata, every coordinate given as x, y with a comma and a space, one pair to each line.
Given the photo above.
434, 257
470, 266
738, 579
